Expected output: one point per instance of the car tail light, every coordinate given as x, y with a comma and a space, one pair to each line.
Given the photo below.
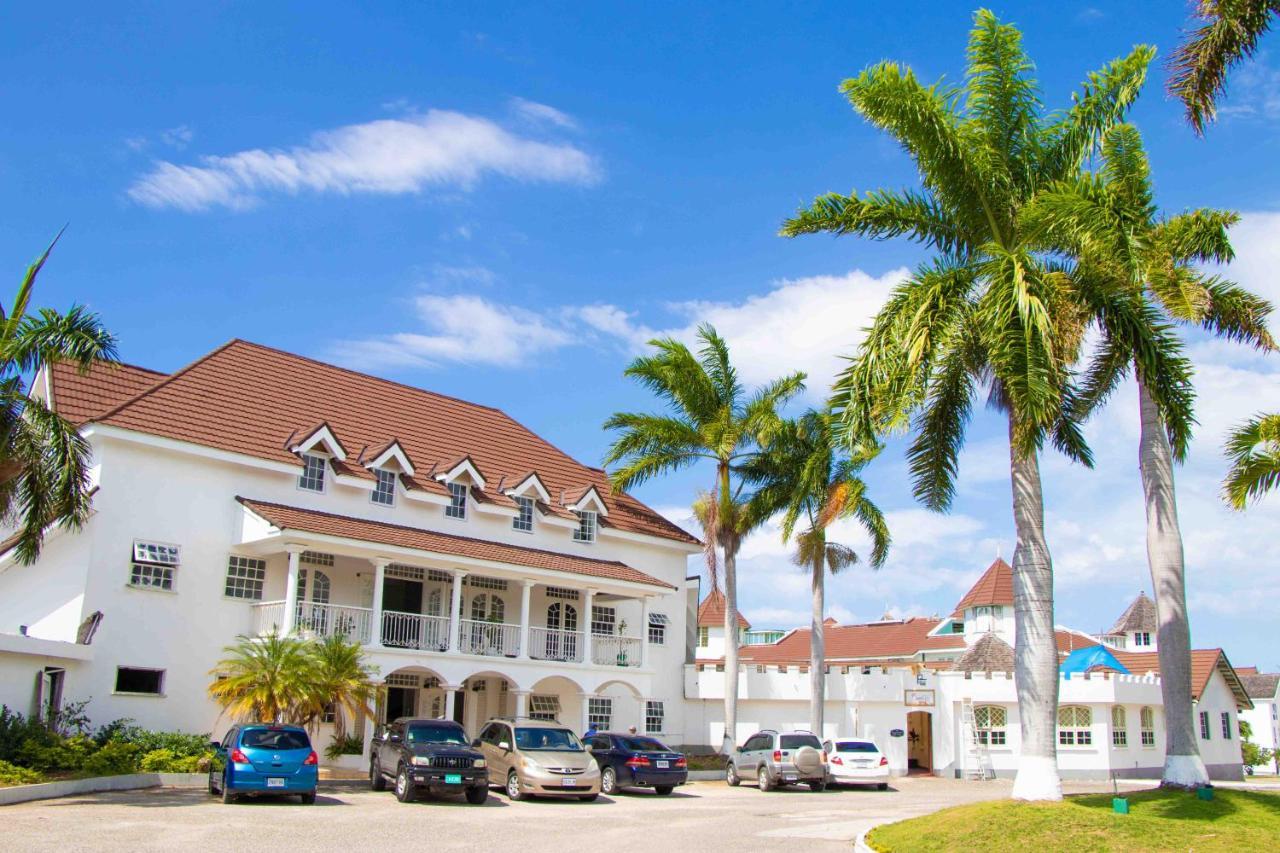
238, 757
777, 756
312, 758
883, 761
637, 761
835, 759
682, 762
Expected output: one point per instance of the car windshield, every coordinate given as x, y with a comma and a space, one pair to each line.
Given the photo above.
427, 733
855, 746
797, 741
561, 740
642, 744
275, 739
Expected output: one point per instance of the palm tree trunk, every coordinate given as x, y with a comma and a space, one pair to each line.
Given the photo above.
730, 645
1183, 766
817, 643
1035, 652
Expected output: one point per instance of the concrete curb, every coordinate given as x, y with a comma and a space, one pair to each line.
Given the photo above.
97, 784
706, 775
860, 843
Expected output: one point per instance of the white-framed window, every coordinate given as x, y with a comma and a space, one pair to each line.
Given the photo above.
654, 716
704, 637
600, 713
1226, 725
524, 515
457, 507
245, 576
658, 628
1119, 726
760, 669
1147, 727
437, 575
316, 558
544, 707
330, 713
313, 468
488, 608
479, 582
603, 620
384, 487
1074, 726
1142, 638
154, 565
991, 721
586, 529
1205, 733
139, 681
563, 592
478, 685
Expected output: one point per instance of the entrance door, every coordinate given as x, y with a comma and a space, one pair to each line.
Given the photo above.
459, 700
920, 741
401, 702
401, 596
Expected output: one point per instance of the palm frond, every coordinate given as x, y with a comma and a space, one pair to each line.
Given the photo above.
1253, 449
880, 215
1228, 34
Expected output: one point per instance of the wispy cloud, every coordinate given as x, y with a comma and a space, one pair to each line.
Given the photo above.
439, 148
541, 113
1254, 91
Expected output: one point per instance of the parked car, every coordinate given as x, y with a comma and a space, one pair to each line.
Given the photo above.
779, 758
855, 761
264, 759
428, 755
539, 757
636, 761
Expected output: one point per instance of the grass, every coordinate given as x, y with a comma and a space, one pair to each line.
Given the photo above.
1158, 820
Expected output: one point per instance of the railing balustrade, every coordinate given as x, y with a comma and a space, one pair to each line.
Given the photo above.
609, 650
497, 639
554, 644
415, 631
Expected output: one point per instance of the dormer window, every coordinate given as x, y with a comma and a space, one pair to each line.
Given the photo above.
384, 489
524, 516
1142, 638
313, 468
586, 529
457, 507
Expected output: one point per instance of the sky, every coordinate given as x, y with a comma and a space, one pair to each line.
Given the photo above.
504, 202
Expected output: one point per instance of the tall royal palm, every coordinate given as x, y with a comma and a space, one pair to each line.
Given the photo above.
1136, 274
710, 417
44, 461
807, 476
986, 313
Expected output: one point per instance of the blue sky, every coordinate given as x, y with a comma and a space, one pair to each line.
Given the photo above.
503, 201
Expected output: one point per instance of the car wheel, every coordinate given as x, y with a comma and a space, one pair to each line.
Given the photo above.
308, 798
404, 785
731, 776
477, 796
588, 798
765, 782
227, 796
883, 786
817, 787
513, 787
663, 790
377, 781
609, 781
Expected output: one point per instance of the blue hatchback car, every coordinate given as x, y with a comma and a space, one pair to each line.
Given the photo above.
265, 758
636, 761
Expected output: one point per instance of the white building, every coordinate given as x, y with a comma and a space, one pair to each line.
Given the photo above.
1264, 718
912, 685
485, 571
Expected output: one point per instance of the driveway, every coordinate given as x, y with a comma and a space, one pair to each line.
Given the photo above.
708, 815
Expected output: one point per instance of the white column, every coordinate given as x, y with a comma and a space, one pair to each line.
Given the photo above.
455, 612
450, 692
644, 631
290, 620
586, 710
587, 599
525, 592
379, 580
522, 702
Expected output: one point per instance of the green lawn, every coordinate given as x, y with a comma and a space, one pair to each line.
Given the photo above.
1158, 820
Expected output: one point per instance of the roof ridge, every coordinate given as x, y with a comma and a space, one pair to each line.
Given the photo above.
162, 383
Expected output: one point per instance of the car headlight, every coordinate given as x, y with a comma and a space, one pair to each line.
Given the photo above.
422, 760
478, 764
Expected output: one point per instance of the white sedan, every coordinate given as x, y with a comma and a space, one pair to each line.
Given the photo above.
853, 761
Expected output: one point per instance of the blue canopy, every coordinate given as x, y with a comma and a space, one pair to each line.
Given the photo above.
1083, 660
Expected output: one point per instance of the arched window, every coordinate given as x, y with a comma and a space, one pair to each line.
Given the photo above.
1147, 725
991, 722
562, 617
1074, 722
1119, 726
320, 588
488, 608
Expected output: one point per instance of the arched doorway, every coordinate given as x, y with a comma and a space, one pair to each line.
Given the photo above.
920, 742
561, 641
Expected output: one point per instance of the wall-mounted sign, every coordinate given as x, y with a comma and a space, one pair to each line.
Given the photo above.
896, 732
918, 698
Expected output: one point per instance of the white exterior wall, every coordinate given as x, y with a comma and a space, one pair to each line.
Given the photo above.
1221, 755
1264, 719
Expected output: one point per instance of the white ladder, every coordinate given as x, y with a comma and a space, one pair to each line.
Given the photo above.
977, 763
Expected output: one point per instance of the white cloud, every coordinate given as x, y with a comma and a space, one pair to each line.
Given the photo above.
543, 114
388, 156
178, 137
1253, 91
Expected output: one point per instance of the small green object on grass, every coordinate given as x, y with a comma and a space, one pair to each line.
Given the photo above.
1205, 792
1120, 805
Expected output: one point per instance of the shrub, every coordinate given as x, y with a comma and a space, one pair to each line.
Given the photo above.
168, 761
112, 759
348, 745
12, 774
49, 753
15, 730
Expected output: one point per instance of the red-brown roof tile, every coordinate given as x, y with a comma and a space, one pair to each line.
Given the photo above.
82, 397
711, 611
880, 640
994, 587
1203, 664
381, 533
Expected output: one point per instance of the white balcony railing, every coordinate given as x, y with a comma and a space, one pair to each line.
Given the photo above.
415, 631
498, 639
551, 644
615, 651
268, 617
329, 620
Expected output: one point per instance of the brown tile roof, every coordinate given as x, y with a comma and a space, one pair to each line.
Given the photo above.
1203, 664
711, 611
879, 640
247, 398
82, 397
1260, 685
994, 587
381, 533
1246, 670
1139, 616
988, 654
1069, 641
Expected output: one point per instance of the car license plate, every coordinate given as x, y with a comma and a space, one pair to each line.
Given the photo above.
568, 783
664, 764
275, 783
863, 763
453, 778
789, 777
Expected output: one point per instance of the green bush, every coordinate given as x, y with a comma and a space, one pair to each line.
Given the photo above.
113, 759
15, 730
168, 761
12, 774
349, 745
50, 753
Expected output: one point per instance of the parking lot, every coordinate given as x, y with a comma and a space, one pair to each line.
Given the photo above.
707, 815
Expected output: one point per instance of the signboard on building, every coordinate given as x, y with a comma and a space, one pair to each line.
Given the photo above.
918, 699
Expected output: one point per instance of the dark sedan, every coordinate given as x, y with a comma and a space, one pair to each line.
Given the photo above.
636, 761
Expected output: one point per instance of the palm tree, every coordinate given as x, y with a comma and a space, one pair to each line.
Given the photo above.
1135, 277
988, 312
341, 678
710, 418
1254, 450
44, 461
268, 679
804, 475
1228, 34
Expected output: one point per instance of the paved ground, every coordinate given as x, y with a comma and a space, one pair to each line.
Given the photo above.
702, 815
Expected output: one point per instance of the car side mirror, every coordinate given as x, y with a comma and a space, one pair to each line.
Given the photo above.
214, 745
591, 748
739, 749
502, 744
393, 738
475, 744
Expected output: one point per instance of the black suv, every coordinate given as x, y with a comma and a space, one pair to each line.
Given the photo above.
428, 755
